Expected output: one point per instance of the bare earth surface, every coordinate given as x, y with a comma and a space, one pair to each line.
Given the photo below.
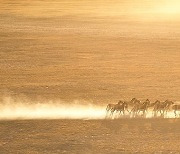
90, 51
90, 136
98, 51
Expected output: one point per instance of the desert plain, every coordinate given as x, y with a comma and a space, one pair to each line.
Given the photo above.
94, 52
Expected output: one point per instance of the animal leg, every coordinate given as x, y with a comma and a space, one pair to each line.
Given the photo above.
175, 113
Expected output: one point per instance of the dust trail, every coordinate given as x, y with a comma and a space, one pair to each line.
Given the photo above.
10, 110
49, 111
23, 109
59, 111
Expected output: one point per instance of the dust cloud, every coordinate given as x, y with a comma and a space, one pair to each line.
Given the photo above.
12, 110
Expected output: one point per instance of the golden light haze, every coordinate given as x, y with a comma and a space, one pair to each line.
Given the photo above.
69, 59
98, 51
145, 9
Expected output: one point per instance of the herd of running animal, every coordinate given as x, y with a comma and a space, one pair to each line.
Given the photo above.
136, 107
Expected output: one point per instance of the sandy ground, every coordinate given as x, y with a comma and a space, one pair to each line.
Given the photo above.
100, 52
96, 52
90, 136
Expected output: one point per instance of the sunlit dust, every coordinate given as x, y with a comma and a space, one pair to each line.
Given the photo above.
59, 111
169, 7
51, 111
